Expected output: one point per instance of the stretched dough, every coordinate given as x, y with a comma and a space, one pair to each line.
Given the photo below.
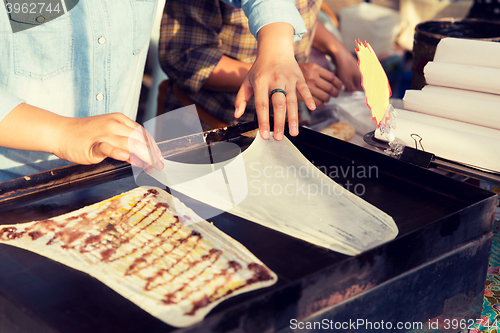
288, 193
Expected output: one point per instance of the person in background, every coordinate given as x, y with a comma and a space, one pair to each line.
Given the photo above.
207, 51
69, 85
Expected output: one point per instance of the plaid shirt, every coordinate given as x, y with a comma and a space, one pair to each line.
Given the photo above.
196, 34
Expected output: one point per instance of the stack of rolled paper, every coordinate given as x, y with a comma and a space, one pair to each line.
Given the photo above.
457, 114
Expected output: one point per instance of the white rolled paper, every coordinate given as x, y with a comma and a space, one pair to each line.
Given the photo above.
483, 79
457, 107
462, 92
468, 52
461, 97
465, 143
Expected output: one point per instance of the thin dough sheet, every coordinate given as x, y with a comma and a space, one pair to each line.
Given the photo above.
289, 194
286, 192
135, 244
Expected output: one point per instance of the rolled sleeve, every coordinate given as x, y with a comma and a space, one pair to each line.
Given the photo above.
7, 103
263, 12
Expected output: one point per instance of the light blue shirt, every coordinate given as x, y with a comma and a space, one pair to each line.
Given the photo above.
90, 61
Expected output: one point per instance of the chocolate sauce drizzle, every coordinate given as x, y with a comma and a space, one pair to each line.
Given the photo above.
171, 248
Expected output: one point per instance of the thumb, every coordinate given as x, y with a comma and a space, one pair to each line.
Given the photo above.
101, 150
242, 98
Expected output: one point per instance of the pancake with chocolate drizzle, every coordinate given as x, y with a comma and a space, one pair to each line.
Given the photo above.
135, 244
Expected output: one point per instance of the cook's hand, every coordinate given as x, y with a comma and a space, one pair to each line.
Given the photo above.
347, 66
79, 140
275, 68
321, 82
90, 140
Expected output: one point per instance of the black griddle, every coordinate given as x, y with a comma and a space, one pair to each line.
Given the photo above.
436, 267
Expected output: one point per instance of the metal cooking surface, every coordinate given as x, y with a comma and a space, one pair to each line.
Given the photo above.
67, 300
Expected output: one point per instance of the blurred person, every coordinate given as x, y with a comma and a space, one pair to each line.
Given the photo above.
207, 51
70, 83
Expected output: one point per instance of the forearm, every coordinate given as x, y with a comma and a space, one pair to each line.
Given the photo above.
228, 75
346, 65
326, 42
30, 128
80, 140
275, 41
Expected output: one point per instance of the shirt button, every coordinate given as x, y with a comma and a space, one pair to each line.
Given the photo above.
101, 40
99, 97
